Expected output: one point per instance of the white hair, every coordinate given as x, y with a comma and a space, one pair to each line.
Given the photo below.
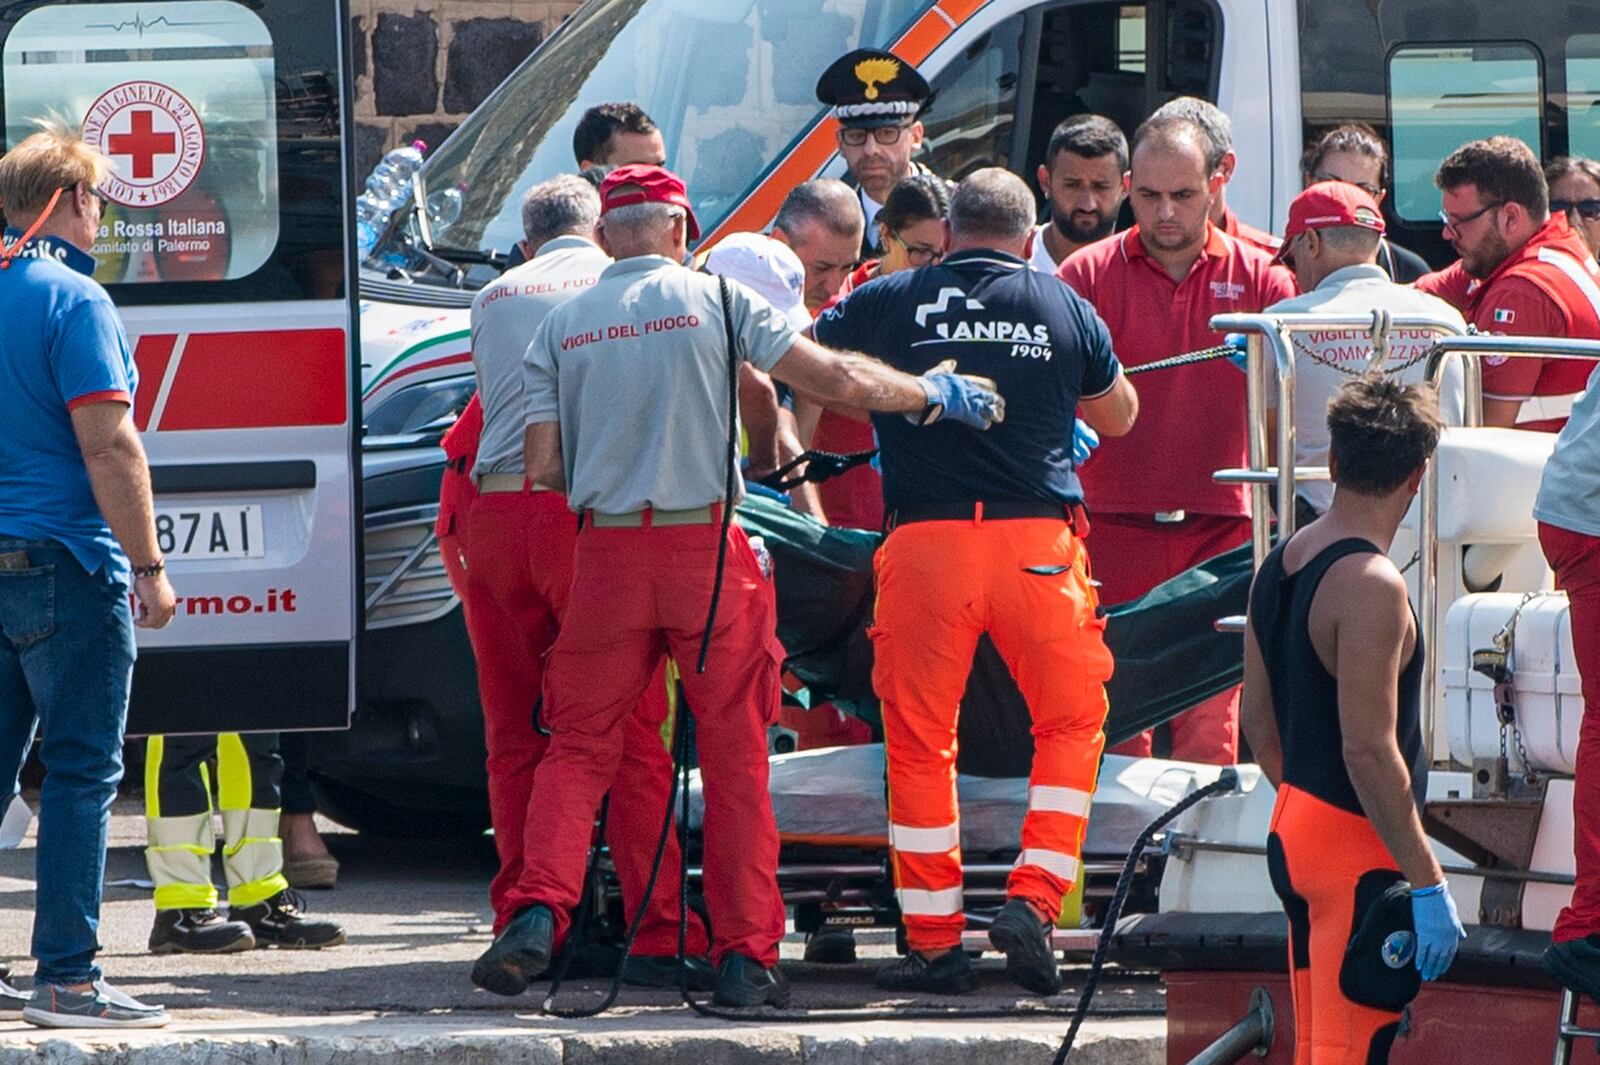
564, 204
638, 220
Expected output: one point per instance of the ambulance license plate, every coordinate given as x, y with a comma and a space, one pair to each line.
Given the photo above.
210, 532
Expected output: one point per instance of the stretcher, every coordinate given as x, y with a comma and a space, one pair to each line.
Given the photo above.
830, 804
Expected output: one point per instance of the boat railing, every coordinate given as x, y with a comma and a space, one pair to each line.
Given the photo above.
1269, 347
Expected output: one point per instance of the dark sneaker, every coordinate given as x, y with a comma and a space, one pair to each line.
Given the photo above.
1576, 964
831, 945
741, 981
198, 932
951, 973
519, 953
104, 1007
11, 999
652, 970
1018, 933
281, 922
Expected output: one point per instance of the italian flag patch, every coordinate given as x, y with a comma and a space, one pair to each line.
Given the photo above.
1504, 316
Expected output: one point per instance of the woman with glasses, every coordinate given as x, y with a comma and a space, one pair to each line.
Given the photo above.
910, 230
1575, 192
1356, 155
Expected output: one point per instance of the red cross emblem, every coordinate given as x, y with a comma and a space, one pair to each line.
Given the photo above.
153, 137
142, 144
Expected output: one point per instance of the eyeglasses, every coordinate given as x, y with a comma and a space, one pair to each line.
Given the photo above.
1455, 224
918, 254
1375, 191
99, 197
1588, 209
855, 137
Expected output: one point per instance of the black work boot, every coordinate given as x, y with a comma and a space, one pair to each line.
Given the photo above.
1576, 964
519, 953
951, 973
831, 945
198, 932
741, 981
281, 922
1024, 938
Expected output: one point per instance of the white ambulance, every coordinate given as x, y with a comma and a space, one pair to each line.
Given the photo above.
224, 244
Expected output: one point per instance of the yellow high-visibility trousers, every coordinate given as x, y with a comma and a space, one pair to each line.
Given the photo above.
178, 815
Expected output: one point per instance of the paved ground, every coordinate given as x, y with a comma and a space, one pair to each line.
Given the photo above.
417, 915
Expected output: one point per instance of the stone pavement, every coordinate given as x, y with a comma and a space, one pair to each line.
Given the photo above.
398, 992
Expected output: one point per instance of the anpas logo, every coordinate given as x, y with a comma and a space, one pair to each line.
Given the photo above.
1027, 341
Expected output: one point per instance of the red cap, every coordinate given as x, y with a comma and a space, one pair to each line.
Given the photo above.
642, 183
1327, 204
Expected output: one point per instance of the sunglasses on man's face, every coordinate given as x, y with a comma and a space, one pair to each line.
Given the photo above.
1589, 210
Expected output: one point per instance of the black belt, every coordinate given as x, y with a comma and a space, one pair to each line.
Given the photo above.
984, 510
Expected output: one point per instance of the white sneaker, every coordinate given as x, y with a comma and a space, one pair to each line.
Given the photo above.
104, 1007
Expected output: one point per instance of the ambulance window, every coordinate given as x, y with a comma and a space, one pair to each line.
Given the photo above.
970, 124
1583, 95
1440, 97
186, 110
1131, 39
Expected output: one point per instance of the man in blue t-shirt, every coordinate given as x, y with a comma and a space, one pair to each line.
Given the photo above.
983, 538
76, 523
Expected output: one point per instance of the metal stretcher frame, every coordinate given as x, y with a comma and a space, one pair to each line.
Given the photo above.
1269, 334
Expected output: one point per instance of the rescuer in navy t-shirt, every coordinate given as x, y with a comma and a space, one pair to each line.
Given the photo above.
1043, 345
983, 539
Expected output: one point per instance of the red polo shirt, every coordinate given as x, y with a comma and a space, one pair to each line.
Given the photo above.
1549, 287
1192, 419
854, 499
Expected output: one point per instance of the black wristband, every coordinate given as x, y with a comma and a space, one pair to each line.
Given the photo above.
151, 570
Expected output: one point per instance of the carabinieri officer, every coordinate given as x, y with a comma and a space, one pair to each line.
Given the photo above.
985, 537
626, 407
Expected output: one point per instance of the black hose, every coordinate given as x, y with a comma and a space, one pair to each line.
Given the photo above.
731, 473
1227, 781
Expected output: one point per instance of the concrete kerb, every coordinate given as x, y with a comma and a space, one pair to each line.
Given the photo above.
432, 1041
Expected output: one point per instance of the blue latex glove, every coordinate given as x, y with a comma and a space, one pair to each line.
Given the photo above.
1084, 441
1240, 345
953, 397
1439, 930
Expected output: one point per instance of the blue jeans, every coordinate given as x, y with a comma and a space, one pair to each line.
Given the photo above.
66, 660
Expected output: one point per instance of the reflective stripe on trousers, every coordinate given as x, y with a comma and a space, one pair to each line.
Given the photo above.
940, 586
178, 809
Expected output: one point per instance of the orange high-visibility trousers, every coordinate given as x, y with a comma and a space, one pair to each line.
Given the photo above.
941, 584
1326, 886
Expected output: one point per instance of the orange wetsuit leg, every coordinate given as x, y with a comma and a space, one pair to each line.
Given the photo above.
1327, 865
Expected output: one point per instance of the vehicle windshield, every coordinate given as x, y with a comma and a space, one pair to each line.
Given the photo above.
731, 83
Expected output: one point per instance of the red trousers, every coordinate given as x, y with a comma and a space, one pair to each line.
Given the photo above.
1132, 554
941, 585
1323, 889
638, 594
1576, 559
519, 571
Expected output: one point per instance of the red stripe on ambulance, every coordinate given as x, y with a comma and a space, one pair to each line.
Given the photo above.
247, 380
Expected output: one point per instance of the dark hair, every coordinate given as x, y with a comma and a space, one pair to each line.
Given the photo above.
598, 124
1381, 432
1088, 136
1567, 165
1172, 128
1357, 138
827, 201
917, 197
596, 175
1502, 169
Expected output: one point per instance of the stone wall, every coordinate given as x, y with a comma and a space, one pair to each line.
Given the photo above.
422, 67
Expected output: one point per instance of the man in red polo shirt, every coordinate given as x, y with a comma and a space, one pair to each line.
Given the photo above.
1157, 510
1538, 278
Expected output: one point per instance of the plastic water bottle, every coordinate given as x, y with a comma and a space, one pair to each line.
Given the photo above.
387, 188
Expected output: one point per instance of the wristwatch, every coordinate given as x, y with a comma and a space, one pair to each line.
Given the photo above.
151, 570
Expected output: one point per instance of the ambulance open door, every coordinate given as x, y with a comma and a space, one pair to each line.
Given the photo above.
226, 247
